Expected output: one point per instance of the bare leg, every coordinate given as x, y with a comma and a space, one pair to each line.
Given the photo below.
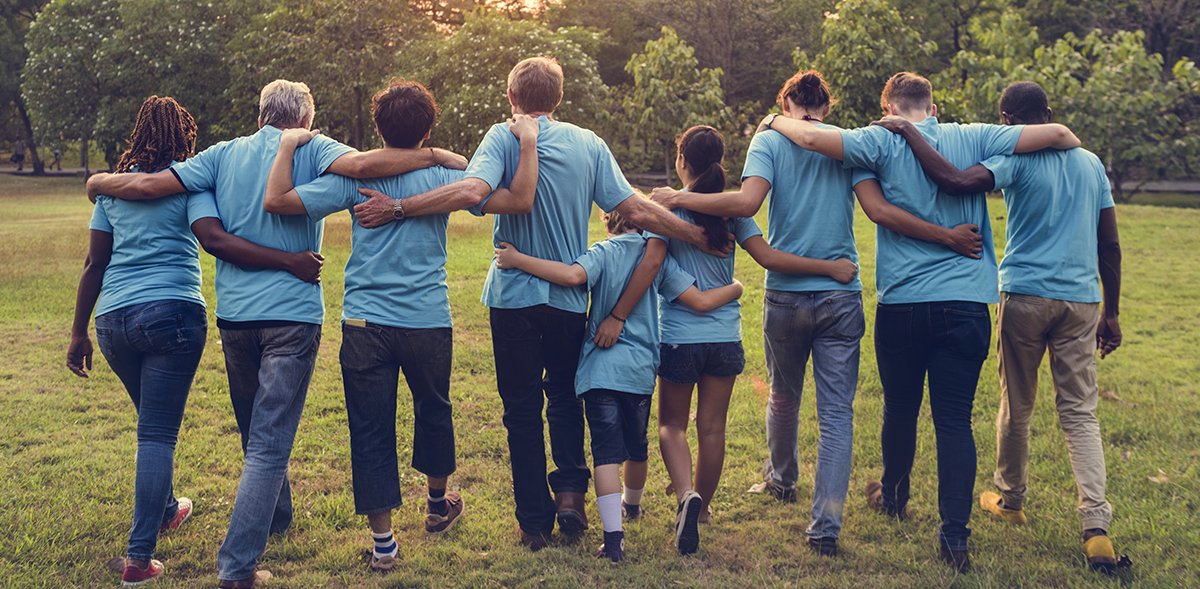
712, 408
674, 407
380, 522
635, 474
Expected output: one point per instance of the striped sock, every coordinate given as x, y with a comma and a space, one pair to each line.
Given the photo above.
385, 544
437, 501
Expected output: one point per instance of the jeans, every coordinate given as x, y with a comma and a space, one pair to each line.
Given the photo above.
372, 358
618, 422
948, 341
829, 326
537, 352
269, 370
154, 348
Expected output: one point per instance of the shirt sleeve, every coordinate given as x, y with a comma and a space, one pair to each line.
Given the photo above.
611, 187
199, 172
1106, 197
99, 220
760, 157
1004, 169
864, 147
744, 228
672, 280
324, 152
201, 205
994, 140
488, 162
858, 175
592, 262
329, 194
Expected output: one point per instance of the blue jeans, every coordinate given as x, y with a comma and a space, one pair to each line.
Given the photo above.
828, 325
154, 348
948, 341
269, 370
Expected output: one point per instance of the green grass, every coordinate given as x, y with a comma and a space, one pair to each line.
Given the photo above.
67, 447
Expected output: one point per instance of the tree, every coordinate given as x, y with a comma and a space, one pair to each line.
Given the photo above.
17, 15
996, 48
670, 93
865, 42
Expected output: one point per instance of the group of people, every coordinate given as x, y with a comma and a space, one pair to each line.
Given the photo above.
663, 313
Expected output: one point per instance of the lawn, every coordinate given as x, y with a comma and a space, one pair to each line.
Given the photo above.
67, 447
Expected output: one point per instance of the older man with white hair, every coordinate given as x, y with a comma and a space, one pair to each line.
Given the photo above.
270, 321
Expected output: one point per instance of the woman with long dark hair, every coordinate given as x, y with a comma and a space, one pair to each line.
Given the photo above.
142, 279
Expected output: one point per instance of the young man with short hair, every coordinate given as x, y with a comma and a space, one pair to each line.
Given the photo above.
538, 327
396, 312
1062, 234
932, 318
270, 321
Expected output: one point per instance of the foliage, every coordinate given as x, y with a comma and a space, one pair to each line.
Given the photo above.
671, 93
999, 46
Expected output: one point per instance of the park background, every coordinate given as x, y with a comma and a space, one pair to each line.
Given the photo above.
73, 72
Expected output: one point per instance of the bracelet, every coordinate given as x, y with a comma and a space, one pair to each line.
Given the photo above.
614, 316
433, 154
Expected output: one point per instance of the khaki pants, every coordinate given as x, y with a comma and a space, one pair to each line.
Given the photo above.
1026, 327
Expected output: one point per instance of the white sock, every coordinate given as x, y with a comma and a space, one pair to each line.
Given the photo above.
610, 512
385, 544
632, 496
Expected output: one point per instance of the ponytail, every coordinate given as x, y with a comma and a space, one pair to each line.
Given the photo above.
703, 151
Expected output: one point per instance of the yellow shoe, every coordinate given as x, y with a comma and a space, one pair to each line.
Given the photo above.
1100, 554
992, 503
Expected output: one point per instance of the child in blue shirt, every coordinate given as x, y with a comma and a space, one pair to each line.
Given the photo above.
617, 382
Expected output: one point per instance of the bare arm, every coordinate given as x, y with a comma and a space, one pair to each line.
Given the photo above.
652, 217
946, 175
964, 239
827, 142
133, 185
79, 351
1108, 335
281, 197
517, 199
233, 249
392, 161
559, 273
704, 301
380, 209
842, 270
1047, 136
743, 203
639, 282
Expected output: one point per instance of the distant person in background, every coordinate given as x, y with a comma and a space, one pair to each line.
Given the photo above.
1062, 235
18, 155
56, 163
270, 321
142, 277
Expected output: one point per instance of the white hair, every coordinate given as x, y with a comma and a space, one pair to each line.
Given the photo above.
286, 104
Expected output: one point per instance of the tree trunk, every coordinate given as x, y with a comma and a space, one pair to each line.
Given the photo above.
27, 126
83, 157
358, 133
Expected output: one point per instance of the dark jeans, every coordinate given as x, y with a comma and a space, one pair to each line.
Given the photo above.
372, 358
154, 348
269, 370
618, 422
948, 341
537, 352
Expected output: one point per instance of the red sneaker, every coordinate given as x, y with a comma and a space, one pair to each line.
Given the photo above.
135, 575
185, 511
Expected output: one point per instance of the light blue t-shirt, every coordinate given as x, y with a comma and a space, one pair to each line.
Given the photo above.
681, 324
630, 364
396, 274
912, 271
811, 207
236, 171
1054, 201
575, 169
155, 257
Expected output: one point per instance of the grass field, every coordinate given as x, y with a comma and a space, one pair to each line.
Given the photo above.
67, 447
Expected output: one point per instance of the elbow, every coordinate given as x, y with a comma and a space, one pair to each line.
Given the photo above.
524, 204
1110, 250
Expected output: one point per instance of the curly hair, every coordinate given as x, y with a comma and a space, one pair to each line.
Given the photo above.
164, 133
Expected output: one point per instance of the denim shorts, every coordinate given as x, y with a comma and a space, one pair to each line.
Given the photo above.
686, 363
618, 423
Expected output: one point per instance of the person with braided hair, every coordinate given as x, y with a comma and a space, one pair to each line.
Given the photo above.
142, 278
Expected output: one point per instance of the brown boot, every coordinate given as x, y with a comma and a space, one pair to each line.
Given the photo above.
534, 542
572, 521
260, 577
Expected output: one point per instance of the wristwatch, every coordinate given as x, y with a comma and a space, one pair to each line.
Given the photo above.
771, 119
397, 210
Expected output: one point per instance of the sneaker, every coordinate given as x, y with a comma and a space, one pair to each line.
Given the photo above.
687, 528
875, 502
823, 546
959, 560
630, 512
613, 547
382, 564
992, 503
1100, 555
572, 521
181, 515
777, 490
133, 575
436, 523
534, 542
259, 577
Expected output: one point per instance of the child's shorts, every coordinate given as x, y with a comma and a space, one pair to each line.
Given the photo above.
686, 363
618, 423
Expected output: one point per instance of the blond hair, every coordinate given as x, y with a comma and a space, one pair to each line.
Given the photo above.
536, 84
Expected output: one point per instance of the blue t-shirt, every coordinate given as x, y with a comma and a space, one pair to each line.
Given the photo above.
680, 323
396, 274
575, 169
630, 364
811, 207
1054, 201
155, 257
912, 271
236, 171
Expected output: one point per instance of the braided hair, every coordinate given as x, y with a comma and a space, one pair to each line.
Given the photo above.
703, 151
164, 133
